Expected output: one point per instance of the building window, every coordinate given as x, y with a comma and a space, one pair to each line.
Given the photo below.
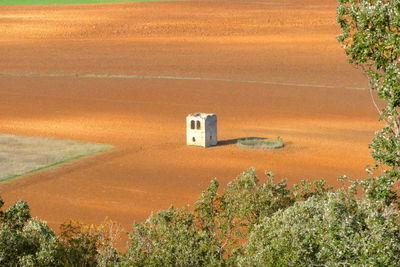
198, 125
192, 124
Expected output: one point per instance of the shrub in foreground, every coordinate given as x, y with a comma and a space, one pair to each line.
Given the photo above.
250, 223
337, 229
27, 241
212, 234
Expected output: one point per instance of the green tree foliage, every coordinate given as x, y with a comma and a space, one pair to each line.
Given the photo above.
229, 217
334, 230
250, 222
25, 241
213, 234
171, 238
371, 38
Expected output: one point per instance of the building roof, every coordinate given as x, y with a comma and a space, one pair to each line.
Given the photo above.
201, 115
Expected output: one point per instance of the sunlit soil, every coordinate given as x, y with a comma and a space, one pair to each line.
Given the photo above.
289, 44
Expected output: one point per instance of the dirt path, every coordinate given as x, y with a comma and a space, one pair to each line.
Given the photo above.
326, 130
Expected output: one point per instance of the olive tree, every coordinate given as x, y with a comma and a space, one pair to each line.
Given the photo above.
221, 221
25, 241
338, 229
371, 38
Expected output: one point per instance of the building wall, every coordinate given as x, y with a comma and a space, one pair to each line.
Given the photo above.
211, 137
195, 137
206, 135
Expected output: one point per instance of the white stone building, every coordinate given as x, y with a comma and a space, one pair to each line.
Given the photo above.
201, 129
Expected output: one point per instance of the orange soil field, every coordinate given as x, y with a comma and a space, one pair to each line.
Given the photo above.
326, 127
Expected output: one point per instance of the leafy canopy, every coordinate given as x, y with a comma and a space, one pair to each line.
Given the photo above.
371, 38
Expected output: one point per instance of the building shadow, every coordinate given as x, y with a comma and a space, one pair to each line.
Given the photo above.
235, 140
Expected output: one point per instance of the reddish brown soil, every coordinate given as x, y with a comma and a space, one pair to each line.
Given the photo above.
326, 130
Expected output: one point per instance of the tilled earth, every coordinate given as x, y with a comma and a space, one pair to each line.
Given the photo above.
309, 97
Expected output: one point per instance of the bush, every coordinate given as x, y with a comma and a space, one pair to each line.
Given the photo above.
25, 241
338, 229
250, 223
214, 233
171, 238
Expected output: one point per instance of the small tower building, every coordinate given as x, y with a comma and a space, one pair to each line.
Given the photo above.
201, 129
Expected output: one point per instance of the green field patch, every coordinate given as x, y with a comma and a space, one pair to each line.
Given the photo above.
65, 2
22, 155
260, 143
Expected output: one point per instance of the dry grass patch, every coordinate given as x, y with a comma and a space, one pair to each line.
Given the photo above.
21, 155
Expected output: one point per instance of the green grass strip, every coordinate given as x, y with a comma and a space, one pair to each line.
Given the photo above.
24, 155
65, 2
260, 143
127, 76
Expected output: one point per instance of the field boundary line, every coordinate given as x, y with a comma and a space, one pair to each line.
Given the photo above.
163, 77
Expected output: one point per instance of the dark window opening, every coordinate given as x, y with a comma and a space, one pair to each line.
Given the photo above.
210, 137
192, 124
198, 125
194, 139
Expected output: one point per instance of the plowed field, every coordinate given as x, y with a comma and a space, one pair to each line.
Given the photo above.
306, 93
